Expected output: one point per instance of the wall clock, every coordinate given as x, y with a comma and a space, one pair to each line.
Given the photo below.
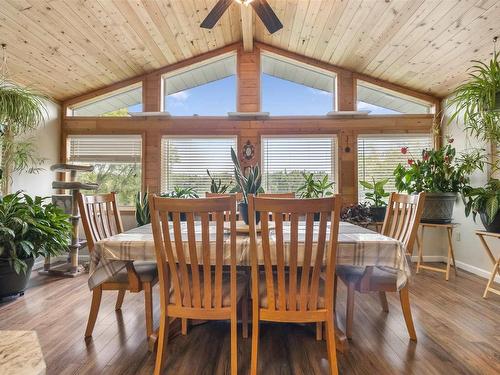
248, 151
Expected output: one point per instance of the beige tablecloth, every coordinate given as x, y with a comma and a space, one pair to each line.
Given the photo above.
357, 247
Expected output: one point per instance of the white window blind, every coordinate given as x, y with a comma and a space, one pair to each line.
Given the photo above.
104, 148
284, 159
379, 155
185, 162
116, 160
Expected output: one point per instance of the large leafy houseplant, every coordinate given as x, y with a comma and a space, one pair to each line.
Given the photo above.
246, 184
315, 188
22, 110
484, 201
29, 228
441, 174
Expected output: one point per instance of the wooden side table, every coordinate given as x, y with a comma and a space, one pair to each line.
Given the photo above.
496, 262
450, 256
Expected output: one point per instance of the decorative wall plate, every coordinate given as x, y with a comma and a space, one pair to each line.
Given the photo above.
248, 151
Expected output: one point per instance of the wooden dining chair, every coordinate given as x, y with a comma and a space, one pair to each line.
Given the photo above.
192, 263
101, 219
401, 223
290, 288
290, 195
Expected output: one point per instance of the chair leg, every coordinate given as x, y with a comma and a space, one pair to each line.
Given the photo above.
330, 345
244, 314
161, 351
148, 308
119, 299
383, 301
184, 326
349, 315
255, 343
94, 310
234, 341
319, 331
404, 296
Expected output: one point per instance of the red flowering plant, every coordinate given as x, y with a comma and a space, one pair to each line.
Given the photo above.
437, 171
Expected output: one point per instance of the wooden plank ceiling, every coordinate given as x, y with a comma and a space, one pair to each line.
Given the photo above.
70, 47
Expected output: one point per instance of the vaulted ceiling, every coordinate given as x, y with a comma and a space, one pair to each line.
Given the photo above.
71, 47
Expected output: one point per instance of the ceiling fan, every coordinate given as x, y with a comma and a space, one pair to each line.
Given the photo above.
261, 7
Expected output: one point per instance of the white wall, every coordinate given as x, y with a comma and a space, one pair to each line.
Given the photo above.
47, 140
469, 252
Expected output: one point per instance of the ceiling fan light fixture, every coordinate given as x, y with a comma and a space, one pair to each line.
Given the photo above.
244, 2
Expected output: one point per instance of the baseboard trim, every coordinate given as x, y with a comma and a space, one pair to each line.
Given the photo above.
464, 266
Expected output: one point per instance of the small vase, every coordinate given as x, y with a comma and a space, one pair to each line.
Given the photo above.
378, 213
243, 209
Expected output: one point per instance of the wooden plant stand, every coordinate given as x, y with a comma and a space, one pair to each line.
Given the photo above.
68, 202
496, 262
450, 256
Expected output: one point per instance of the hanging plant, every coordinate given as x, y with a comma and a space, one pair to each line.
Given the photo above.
478, 100
22, 110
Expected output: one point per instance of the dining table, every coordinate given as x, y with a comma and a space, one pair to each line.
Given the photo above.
357, 246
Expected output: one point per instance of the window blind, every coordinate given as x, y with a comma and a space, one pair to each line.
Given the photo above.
104, 149
379, 155
185, 162
284, 159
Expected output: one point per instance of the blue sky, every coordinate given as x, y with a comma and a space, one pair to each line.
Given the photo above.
279, 97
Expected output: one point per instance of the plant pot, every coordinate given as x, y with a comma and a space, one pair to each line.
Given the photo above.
438, 208
495, 224
378, 213
182, 216
10, 282
243, 209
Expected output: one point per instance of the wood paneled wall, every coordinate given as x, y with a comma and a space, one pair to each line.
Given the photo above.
249, 100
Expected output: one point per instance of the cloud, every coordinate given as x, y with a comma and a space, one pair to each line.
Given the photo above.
180, 96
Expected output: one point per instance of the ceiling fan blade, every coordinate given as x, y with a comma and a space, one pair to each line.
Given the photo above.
267, 15
216, 13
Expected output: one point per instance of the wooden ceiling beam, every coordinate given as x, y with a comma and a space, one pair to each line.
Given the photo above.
247, 27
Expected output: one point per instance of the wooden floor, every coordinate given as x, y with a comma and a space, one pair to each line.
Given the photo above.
458, 332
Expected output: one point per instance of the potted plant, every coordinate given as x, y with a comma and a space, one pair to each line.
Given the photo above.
216, 185
315, 188
376, 196
359, 214
142, 216
484, 201
180, 192
439, 173
21, 111
250, 184
29, 228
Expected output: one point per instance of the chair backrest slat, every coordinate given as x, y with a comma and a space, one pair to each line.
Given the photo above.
196, 255
403, 218
278, 195
297, 248
100, 217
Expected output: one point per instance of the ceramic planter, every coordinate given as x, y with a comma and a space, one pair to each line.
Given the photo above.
11, 283
243, 209
495, 224
378, 213
438, 208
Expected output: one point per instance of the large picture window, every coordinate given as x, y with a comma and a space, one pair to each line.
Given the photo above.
291, 88
381, 101
116, 160
379, 155
185, 161
207, 89
117, 103
285, 159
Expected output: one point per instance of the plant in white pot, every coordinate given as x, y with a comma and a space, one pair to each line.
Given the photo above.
441, 174
29, 228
